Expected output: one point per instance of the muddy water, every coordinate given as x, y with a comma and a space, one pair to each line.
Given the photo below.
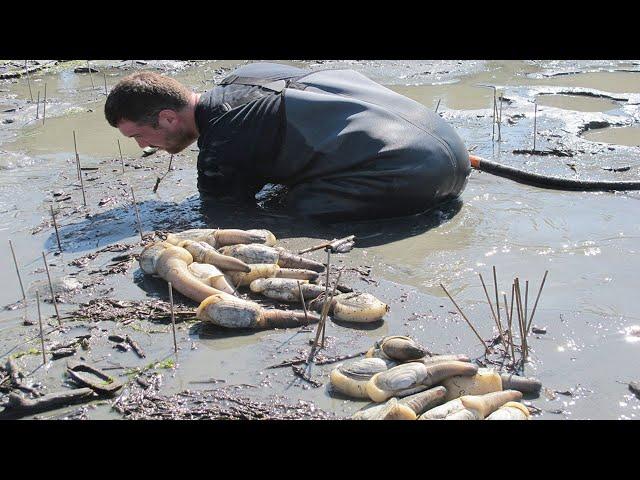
587, 241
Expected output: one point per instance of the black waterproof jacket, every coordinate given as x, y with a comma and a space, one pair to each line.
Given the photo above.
345, 146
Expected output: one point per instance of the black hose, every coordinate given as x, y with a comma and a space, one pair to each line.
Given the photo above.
546, 181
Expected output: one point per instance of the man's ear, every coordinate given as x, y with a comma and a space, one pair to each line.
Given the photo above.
167, 117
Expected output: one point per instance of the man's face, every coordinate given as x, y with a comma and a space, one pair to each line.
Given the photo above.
169, 135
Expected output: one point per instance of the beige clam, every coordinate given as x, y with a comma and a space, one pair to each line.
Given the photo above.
351, 379
472, 409
210, 275
171, 264
355, 307
223, 237
398, 348
286, 289
484, 405
511, 411
227, 311
202, 252
407, 408
486, 380
413, 377
255, 253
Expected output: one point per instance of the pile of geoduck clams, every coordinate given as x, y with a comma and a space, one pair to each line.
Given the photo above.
208, 266
408, 383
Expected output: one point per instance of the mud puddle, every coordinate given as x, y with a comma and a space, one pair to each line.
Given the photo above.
587, 241
629, 136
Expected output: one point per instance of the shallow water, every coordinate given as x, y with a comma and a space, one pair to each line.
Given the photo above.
587, 241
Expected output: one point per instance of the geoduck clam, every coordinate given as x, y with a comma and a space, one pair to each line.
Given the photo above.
479, 407
255, 253
210, 275
223, 237
471, 409
511, 411
486, 380
407, 408
413, 377
351, 379
397, 347
270, 270
228, 311
347, 307
353, 307
286, 289
444, 358
526, 385
171, 263
202, 252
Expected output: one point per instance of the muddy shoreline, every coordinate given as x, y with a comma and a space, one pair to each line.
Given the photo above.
586, 241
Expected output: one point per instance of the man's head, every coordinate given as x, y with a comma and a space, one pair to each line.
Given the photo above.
153, 109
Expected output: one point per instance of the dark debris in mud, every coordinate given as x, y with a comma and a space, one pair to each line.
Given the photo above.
125, 312
223, 403
553, 152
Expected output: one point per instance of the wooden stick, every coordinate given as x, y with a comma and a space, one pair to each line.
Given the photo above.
137, 214
44, 105
332, 244
44, 357
173, 320
326, 293
521, 326
490, 305
513, 353
84, 198
535, 121
53, 297
326, 311
493, 115
467, 320
500, 119
495, 285
121, 159
533, 312
513, 286
38, 106
75, 147
159, 179
90, 75
526, 301
26, 69
304, 306
104, 75
55, 225
13, 253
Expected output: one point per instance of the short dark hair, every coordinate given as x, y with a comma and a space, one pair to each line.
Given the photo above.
141, 96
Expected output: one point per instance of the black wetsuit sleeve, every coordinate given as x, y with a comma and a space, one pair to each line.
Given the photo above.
220, 180
238, 147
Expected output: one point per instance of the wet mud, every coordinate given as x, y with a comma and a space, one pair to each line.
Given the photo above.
587, 112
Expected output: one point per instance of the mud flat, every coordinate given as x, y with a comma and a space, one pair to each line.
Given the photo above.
587, 242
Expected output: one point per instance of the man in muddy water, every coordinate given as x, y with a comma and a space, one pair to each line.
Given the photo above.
345, 147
